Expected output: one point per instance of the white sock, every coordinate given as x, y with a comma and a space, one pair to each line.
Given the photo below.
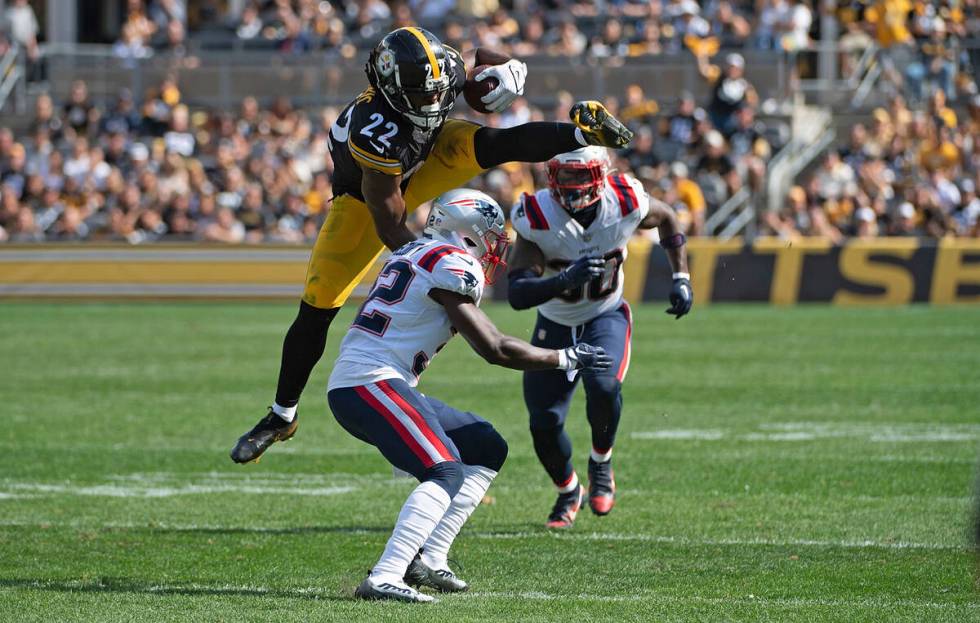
571, 486
601, 458
286, 413
581, 137
476, 481
421, 512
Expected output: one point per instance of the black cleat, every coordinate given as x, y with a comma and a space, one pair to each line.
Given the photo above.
390, 591
566, 508
598, 125
602, 487
443, 580
268, 431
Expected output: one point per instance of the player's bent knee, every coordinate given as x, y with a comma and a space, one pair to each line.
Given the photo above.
448, 475
602, 386
479, 444
493, 450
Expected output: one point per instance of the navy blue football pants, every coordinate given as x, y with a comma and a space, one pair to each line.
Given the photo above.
548, 393
418, 434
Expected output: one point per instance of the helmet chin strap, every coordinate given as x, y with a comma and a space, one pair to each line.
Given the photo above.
426, 124
587, 216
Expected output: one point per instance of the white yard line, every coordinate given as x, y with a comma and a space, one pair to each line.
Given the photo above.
285, 448
237, 475
492, 535
138, 491
709, 541
168, 484
811, 431
646, 597
868, 602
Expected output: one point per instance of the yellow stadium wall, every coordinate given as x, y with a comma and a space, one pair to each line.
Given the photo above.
888, 271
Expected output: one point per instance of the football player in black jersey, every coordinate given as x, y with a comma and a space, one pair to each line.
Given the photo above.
393, 149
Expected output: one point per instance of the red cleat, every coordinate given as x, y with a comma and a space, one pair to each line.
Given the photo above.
602, 487
566, 508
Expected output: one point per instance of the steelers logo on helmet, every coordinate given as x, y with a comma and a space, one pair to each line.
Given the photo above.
385, 63
409, 67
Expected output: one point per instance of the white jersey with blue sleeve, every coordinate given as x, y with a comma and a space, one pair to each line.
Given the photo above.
399, 327
538, 218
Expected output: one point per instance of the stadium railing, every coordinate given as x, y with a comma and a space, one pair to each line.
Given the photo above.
11, 72
222, 78
836, 80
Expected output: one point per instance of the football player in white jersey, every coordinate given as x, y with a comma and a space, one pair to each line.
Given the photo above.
567, 261
427, 291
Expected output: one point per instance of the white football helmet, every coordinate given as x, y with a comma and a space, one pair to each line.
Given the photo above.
577, 178
474, 222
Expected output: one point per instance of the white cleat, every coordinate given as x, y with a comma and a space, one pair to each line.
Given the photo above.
394, 591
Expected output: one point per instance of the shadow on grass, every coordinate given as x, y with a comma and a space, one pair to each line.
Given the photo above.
128, 585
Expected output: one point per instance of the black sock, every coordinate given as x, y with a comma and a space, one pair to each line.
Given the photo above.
537, 141
301, 349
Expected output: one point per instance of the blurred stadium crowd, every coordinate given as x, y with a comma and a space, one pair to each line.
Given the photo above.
147, 166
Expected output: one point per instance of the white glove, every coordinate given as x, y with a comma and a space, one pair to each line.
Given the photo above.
510, 77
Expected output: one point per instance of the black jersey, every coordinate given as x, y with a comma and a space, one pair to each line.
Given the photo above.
370, 133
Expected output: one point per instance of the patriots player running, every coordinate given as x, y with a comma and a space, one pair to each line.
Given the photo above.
567, 261
428, 290
394, 148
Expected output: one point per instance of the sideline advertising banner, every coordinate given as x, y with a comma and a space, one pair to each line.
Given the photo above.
884, 271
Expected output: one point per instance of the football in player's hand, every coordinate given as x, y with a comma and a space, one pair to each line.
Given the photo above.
475, 89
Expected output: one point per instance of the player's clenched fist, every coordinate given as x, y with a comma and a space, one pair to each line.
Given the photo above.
681, 297
583, 270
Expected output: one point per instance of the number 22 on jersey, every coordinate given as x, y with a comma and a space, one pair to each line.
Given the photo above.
389, 289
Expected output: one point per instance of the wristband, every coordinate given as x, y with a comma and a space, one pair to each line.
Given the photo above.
674, 242
562, 360
682, 276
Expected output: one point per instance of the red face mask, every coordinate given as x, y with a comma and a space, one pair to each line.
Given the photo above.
495, 257
576, 186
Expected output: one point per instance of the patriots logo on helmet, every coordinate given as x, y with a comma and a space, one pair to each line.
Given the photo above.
469, 281
488, 212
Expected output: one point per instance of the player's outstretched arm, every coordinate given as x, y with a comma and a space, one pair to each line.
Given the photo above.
511, 352
674, 243
383, 196
526, 287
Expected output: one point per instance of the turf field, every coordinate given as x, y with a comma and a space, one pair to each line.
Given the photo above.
807, 464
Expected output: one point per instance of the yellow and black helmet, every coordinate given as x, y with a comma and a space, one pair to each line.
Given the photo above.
412, 70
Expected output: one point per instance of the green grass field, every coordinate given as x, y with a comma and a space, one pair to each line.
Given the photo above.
806, 464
